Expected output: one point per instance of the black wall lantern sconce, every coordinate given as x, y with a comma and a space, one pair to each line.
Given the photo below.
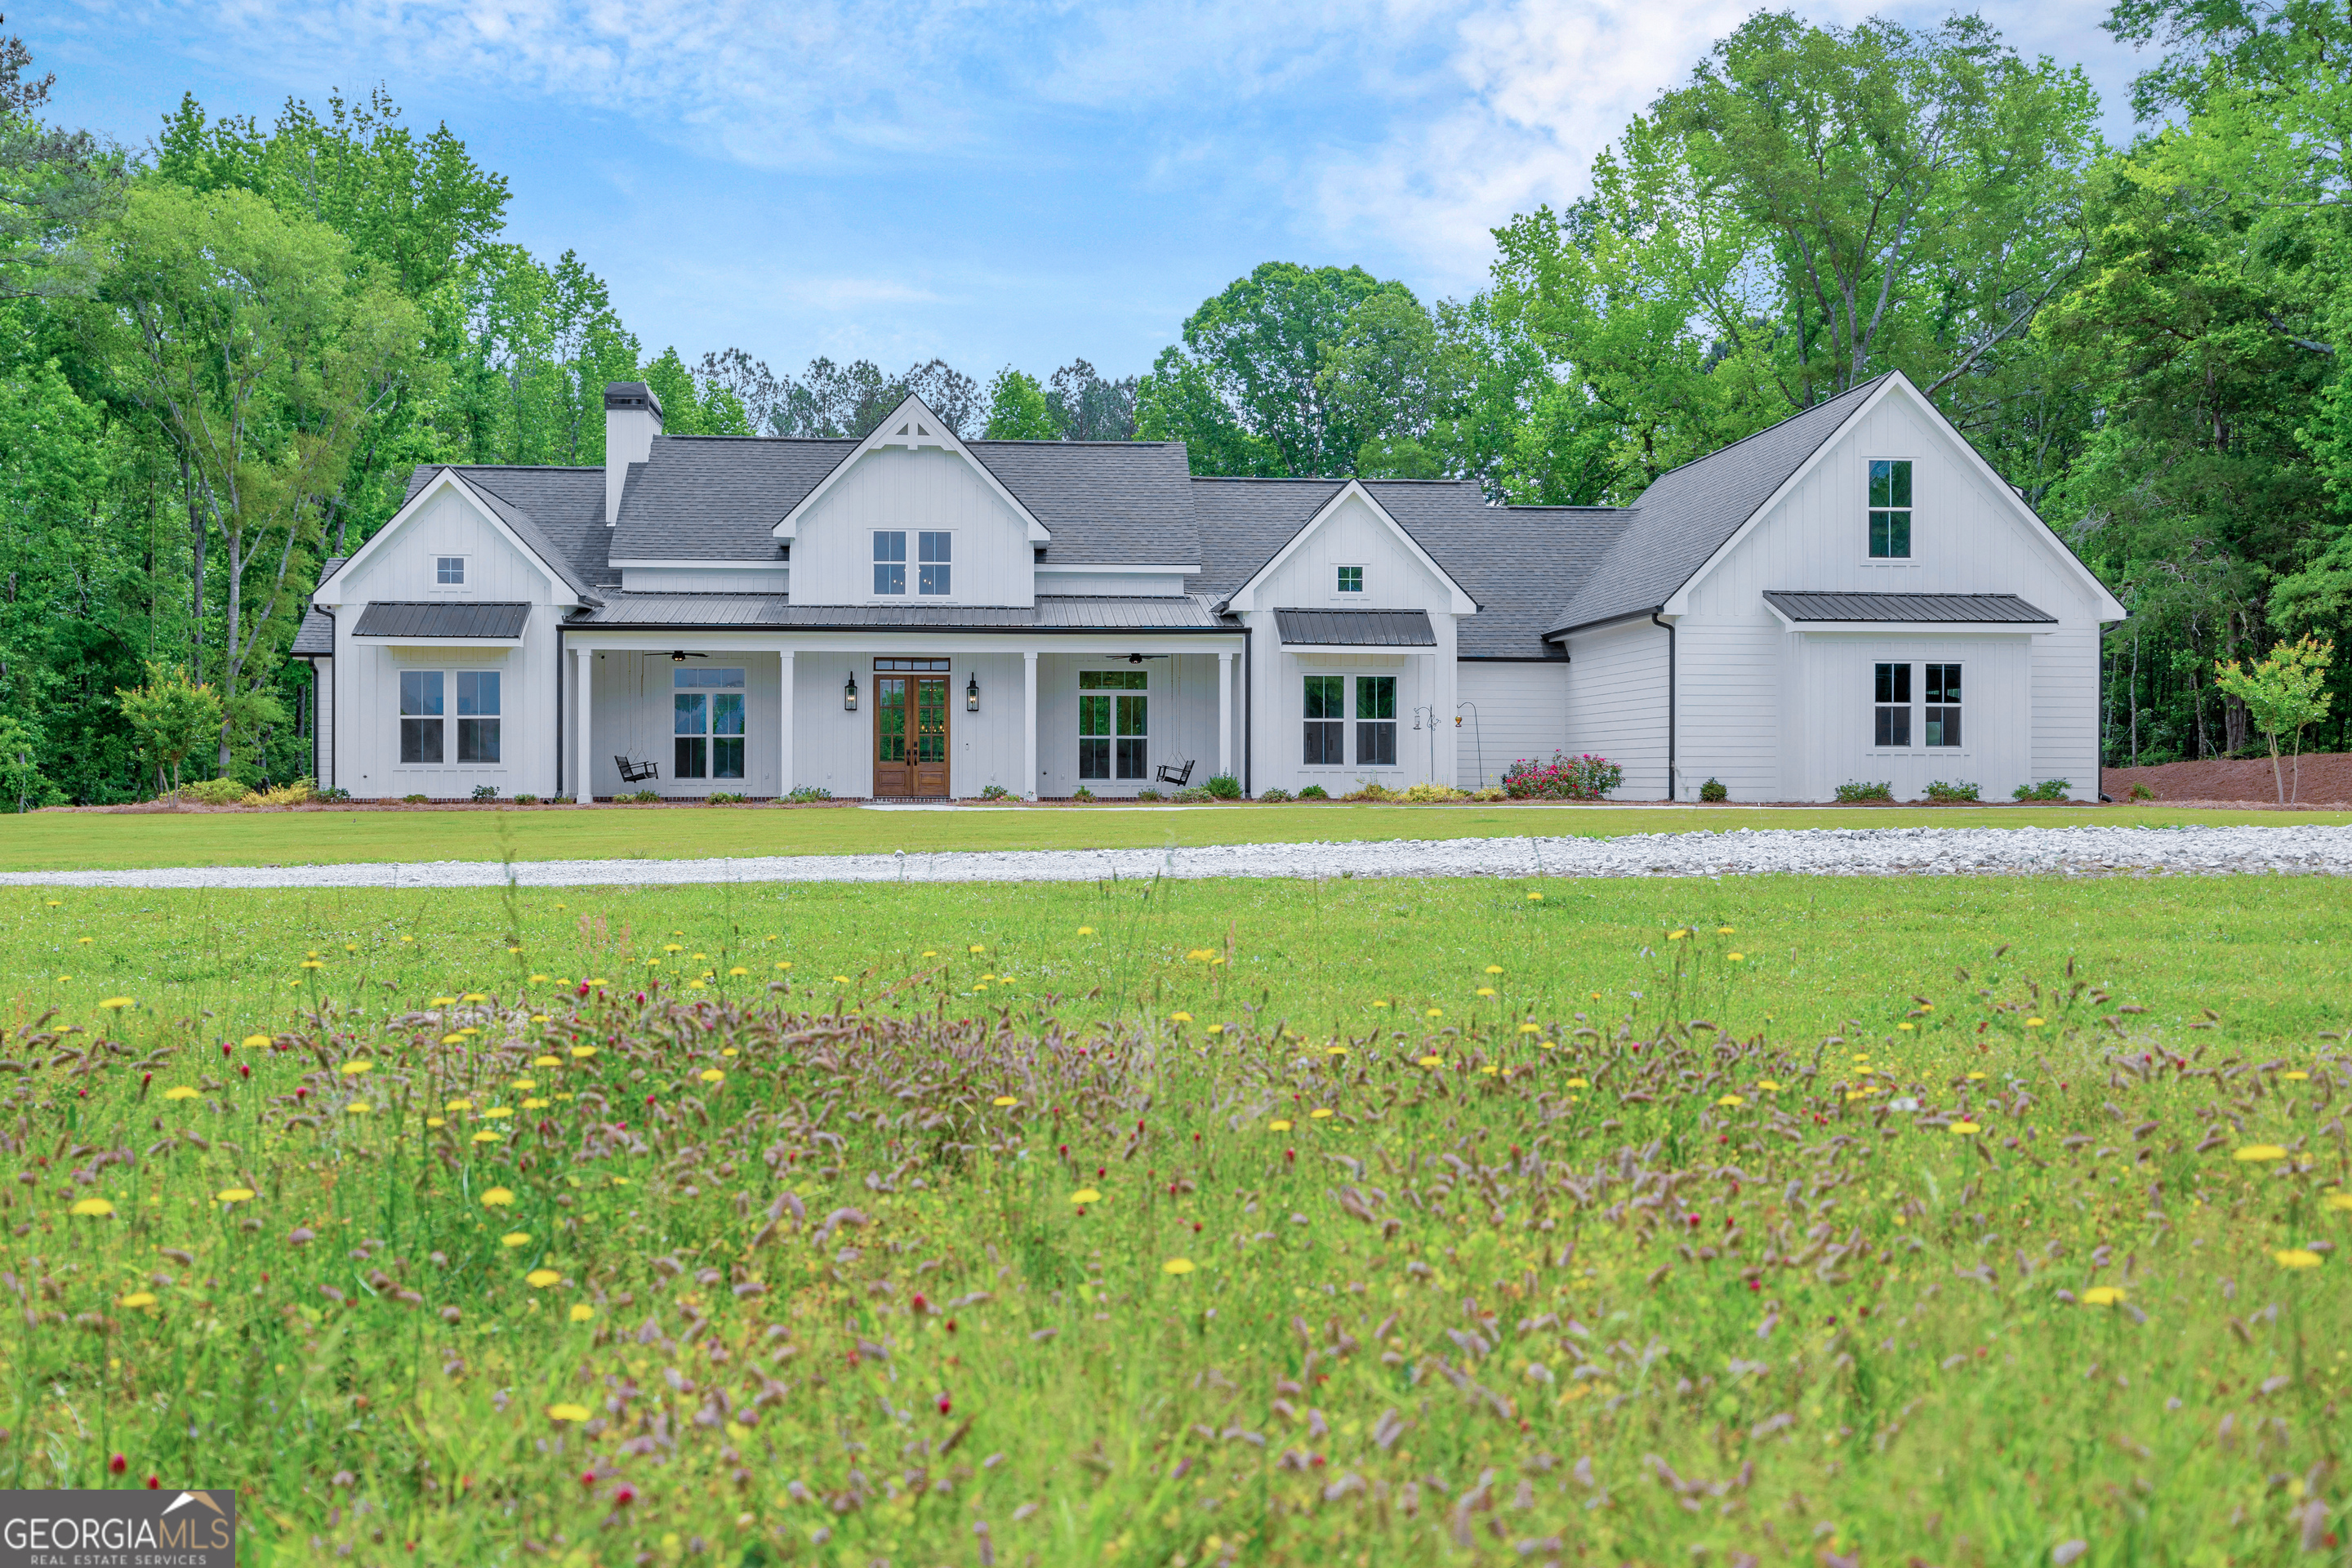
971, 694
849, 694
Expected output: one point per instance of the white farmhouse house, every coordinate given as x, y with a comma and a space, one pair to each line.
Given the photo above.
1852, 594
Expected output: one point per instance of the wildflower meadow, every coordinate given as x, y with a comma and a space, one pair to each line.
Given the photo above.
1534, 1222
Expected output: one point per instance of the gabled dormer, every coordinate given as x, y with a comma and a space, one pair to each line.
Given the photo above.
912, 518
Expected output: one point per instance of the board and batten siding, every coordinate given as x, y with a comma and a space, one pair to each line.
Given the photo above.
1180, 713
1741, 718
928, 487
322, 718
1617, 703
1511, 711
632, 714
1108, 584
681, 580
1833, 690
366, 673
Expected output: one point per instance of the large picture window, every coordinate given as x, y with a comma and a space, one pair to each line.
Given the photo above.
706, 723
1943, 717
1326, 721
1890, 508
889, 561
1114, 723
1376, 721
478, 716
1893, 726
420, 715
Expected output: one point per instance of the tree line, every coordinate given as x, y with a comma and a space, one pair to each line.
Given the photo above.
224, 353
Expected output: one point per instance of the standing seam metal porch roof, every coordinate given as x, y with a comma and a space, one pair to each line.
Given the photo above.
463, 620
1356, 628
1190, 613
1946, 609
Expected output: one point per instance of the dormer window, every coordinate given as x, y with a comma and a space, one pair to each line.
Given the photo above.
937, 553
1890, 508
1350, 580
889, 562
449, 571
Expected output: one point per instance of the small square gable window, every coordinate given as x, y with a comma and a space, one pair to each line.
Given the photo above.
1350, 580
449, 571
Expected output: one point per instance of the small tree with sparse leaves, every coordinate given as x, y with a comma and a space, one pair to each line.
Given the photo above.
173, 716
2283, 693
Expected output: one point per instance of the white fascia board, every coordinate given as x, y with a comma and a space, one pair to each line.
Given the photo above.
1090, 643
904, 427
1458, 602
778, 564
329, 596
2109, 608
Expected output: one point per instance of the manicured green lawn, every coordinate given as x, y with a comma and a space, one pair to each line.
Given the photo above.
57, 841
1135, 1256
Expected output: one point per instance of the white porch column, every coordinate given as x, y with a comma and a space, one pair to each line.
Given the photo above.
582, 785
1029, 723
1224, 715
785, 725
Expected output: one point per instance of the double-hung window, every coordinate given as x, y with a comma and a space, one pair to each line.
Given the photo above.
1893, 707
420, 715
1326, 721
1114, 723
478, 716
889, 561
706, 723
1890, 508
1376, 721
1943, 705
937, 553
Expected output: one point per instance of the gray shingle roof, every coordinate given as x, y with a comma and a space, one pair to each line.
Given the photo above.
1940, 608
1520, 563
1355, 628
1689, 513
460, 618
719, 498
315, 638
1052, 613
558, 512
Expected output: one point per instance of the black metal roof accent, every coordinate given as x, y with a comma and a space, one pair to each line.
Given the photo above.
1356, 628
1946, 609
461, 619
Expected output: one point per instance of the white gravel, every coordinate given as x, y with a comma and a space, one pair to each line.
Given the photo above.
1819, 851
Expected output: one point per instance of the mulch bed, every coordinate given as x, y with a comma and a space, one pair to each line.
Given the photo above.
2326, 780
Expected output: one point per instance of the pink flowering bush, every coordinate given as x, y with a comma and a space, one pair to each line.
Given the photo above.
1585, 777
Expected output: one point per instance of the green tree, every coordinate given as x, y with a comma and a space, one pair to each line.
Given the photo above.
261, 349
20, 766
1018, 410
54, 185
173, 716
2284, 692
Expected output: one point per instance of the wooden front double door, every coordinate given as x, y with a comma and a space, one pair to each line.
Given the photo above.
910, 728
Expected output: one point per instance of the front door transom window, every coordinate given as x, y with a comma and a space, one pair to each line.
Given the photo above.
1114, 723
706, 723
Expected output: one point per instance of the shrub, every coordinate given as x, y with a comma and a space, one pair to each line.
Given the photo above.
1083, 794
1849, 793
1147, 793
1586, 777
1424, 792
332, 792
2048, 789
643, 797
486, 792
1197, 794
413, 799
725, 797
1315, 792
298, 792
561, 800
526, 798
1713, 792
1224, 786
995, 792
1491, 792
1275, 795
2141, 792
1369, 789
805, 794
1950, 794
213, 792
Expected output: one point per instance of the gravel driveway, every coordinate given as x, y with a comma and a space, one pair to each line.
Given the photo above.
1819, 851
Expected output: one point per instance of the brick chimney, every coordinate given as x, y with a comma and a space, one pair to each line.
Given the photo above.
632, 417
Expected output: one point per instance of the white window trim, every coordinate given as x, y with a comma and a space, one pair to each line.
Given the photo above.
467, 566
1348, 678
1887, 562
448, 717
1360, 595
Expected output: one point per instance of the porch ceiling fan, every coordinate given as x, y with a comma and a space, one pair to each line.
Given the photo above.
679, 656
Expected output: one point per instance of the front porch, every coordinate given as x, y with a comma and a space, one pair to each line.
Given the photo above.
886, 716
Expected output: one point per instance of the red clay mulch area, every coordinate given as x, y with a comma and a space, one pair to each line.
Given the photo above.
2326, 781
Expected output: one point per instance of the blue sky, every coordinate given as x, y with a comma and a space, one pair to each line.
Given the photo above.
991, 184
